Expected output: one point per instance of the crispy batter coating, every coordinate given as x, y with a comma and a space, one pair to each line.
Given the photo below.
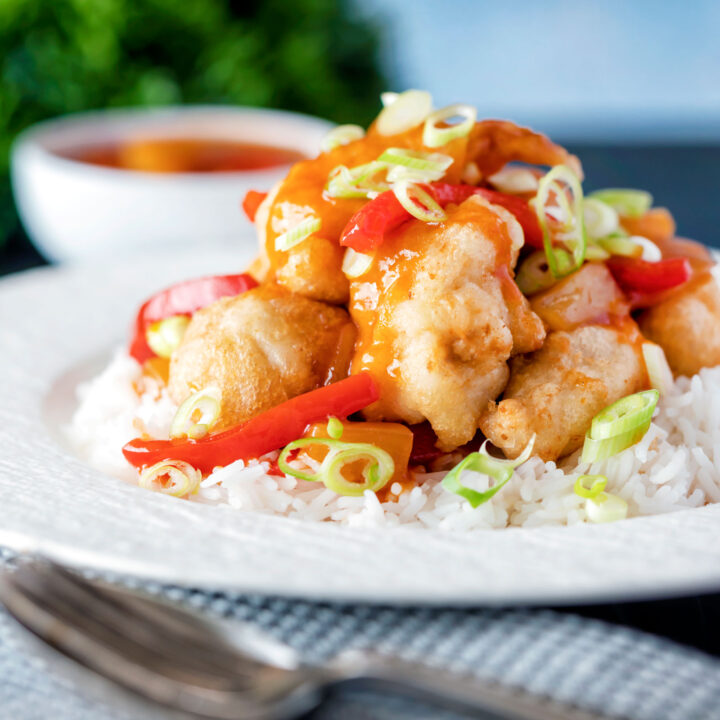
437, 315
261, 348
687, 326
556, 391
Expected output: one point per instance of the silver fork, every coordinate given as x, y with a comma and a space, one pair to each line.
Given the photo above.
224, 670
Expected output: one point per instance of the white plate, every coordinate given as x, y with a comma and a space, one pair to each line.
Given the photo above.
54, 327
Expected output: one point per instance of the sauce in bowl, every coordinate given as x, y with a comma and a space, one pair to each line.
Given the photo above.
185, 155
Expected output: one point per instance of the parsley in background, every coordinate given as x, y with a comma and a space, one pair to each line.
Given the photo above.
61, 56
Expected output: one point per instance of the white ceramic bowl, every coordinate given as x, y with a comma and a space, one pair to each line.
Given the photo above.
76, 211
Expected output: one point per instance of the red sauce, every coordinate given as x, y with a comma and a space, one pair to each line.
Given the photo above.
184, 155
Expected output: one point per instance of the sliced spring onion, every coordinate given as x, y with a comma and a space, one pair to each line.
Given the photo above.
625, 415
388, 98
514, 180
435, 136
590, 486
572, 227
594, 450
164, 336
596, 252
334, 428
418, 202
606, 507
619, 426
341, 135
356, 264
171, 477
377, 471
619, 244
534, 274
650, 251
630, 203
601, 219
481, 462
197, 414
415, 164
471, 174
357, 182
658, 370
406, 111
300, 232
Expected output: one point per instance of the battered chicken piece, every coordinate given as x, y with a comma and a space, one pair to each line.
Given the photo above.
261, 348
556, 391
687, 326
438, 314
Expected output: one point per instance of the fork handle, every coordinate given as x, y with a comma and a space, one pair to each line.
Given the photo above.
451, 689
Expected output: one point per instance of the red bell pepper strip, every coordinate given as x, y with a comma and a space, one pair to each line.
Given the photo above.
524, 214
366, 229
183, 299
268, 431
640, 276
251, 202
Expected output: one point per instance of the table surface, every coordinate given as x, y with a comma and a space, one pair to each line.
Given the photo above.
686, 179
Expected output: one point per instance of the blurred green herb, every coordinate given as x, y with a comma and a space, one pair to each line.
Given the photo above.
60, 56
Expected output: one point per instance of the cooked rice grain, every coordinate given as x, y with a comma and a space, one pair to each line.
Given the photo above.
675, 466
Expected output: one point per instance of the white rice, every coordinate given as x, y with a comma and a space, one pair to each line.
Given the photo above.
675, 466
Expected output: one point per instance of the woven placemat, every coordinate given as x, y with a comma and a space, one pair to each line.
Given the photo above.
588, 663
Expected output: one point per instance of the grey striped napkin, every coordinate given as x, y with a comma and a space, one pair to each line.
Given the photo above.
590, 664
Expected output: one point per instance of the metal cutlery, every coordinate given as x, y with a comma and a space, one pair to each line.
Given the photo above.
218, 669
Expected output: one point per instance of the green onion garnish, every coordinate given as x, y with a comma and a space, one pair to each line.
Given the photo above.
334, 428
341, 135
436, 136
197, 414
481, 462
356, 264
358, 182
415, 164
590, 486
534, 274
630, 203
406, 111
417, 202
619, 426
595, 252
568, 215
620, 244
628, 413
388, 98
658, 370
171, 477
606, 508
164, 336
600, 218
514, 180
294, 237
379, 465
600, 506
650, 251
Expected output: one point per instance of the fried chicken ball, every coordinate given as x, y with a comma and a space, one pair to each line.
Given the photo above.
555, 392
260, 349
438, 315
